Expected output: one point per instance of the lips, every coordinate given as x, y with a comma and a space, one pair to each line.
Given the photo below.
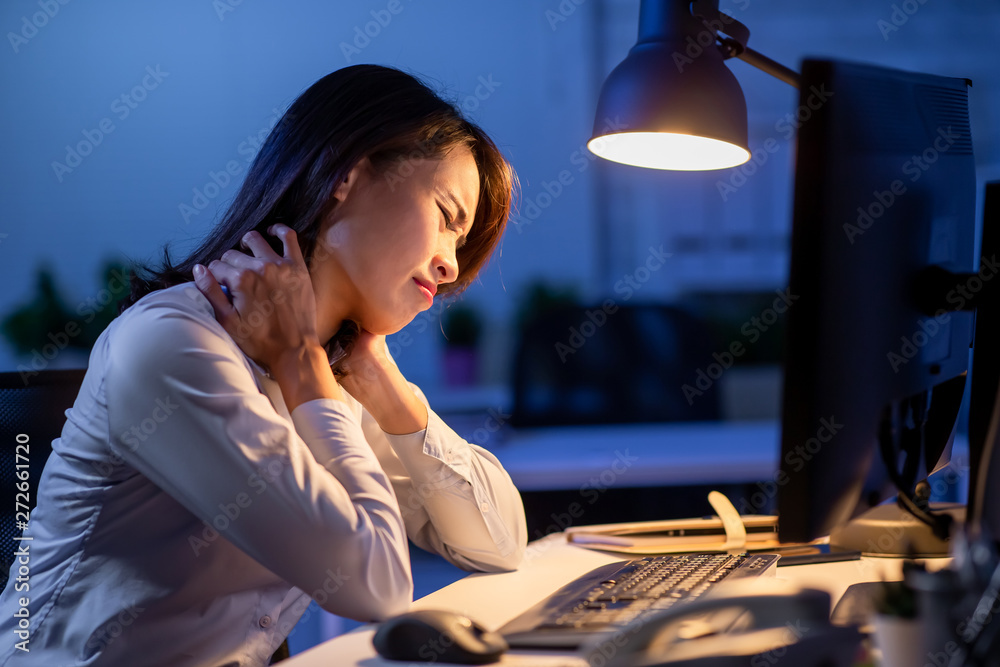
429, 290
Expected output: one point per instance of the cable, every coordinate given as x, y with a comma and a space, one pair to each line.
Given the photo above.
911, 441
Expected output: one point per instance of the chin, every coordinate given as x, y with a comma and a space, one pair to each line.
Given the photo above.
386, 326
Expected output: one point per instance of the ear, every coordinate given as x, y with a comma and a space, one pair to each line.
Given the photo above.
350, 182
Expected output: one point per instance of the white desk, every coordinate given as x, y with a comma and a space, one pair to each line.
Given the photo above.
494, 599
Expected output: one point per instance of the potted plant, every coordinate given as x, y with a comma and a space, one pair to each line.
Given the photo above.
47, 332
897, 627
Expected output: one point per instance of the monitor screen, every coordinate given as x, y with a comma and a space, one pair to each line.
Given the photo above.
885, 188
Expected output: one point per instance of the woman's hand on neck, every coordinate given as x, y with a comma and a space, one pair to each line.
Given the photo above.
377, 383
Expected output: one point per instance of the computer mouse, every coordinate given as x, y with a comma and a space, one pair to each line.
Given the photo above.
431, 635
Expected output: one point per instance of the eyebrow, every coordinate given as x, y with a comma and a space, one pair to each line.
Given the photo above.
462, 215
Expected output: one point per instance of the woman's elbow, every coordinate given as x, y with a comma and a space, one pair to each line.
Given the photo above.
515, 556
391, 597
374, 583
379, 608
510, 561
492, 561
370, 597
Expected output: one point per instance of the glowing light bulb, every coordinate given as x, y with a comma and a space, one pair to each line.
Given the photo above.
666, 150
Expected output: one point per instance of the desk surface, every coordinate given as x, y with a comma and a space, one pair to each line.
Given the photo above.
494, 599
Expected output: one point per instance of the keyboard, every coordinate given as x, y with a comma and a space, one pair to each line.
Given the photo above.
611, 596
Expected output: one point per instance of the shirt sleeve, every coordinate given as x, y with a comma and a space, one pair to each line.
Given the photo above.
456, 498
315, 501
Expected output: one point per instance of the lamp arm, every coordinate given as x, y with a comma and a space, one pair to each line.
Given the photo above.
772, 67
733, 37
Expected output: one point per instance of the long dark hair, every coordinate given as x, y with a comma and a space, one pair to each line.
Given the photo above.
359, 111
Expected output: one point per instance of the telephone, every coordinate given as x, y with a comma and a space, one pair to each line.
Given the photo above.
743, 623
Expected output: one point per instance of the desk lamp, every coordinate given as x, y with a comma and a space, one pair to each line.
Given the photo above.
681, 106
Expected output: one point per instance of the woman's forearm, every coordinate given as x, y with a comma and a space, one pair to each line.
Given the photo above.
303, 375
386, 394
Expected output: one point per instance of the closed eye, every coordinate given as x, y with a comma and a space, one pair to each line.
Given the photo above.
451, 226
447, 218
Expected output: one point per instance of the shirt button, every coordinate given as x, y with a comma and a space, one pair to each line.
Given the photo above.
484, 507
264, 621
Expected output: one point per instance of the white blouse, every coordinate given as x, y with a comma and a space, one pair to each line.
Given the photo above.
185, 518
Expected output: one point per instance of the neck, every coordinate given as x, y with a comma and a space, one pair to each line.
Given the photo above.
334, 294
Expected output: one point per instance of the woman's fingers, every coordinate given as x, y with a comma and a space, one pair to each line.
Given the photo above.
289, 239
225, 272
207, 284
273, 308
242, 260
262, 250
259, 246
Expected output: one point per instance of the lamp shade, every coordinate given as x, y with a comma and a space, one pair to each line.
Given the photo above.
672, 103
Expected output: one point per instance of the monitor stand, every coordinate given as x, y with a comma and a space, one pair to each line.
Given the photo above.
890, 530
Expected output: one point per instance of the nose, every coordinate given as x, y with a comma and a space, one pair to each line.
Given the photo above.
446, 264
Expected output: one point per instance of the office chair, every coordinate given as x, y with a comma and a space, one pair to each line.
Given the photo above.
282, 653
579, 365
34, 407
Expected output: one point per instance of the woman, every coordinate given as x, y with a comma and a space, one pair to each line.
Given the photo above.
243, 443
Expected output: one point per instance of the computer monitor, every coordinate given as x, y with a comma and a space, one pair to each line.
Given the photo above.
879, 336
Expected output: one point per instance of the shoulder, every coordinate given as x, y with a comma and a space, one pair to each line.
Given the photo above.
171, 326
182, 298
